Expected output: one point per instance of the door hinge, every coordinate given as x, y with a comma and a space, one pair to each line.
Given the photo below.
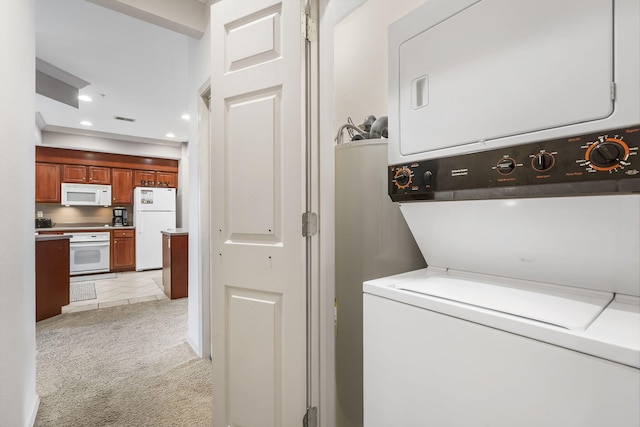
309, 224
613, 91
309, 29
311, 418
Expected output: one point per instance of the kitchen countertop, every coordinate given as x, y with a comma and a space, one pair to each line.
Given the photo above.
176, 232
92, 227
40, 238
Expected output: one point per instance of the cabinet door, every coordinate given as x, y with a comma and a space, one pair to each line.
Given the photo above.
123, 254
167, 179
98, 175
47, 183
122, 186
74, 173
144, 178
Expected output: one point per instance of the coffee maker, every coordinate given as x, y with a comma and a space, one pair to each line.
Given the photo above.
119, 217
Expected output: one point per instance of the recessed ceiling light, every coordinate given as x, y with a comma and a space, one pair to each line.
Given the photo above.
86, 123
170, 135
186, 117
85, 98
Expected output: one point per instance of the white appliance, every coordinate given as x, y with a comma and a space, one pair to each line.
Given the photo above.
514, 133
85, 194
89, 252
154, 211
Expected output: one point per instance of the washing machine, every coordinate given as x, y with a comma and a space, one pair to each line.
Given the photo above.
514, 131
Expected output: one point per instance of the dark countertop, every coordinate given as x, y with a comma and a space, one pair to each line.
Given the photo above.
40, 238
176, 232
92, 227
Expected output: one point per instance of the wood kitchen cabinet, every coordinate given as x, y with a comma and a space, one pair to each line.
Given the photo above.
155, 179
175, 263
47, 183
123, 250
144, 178
122, 186
86, 174
166, 179
52, 275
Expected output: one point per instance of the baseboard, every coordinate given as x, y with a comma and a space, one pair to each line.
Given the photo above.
34, 411
194, 346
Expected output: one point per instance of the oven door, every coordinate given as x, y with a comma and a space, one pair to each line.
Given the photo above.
89, 257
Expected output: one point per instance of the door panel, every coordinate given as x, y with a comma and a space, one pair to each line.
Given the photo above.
254, 325
252, 213
258, 196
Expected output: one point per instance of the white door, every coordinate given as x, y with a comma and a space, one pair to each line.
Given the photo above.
258, 197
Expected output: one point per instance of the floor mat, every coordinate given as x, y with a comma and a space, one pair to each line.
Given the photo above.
82, 291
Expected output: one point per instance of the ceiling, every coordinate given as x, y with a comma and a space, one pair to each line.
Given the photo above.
136, 70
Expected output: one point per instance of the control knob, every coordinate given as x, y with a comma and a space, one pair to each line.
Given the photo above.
505, 166
607, 155
542, 162
402, 177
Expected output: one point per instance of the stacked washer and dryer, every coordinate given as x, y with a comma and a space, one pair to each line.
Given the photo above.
514, 130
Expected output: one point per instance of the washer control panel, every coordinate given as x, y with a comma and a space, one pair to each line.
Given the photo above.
603, 162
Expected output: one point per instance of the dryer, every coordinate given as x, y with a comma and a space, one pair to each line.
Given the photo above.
514, 129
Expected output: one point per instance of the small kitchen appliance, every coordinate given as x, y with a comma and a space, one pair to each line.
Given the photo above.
119, 217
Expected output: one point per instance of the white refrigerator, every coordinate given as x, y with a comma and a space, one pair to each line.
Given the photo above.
154, 211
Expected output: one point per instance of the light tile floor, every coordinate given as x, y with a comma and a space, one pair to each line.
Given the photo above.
126, 288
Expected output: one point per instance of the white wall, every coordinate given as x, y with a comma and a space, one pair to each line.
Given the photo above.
360, 59
18, 398
198, 318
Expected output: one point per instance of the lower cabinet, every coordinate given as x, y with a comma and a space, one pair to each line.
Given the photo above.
52, 275
123, 250
175, 263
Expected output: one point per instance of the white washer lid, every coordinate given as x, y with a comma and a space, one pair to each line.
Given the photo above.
570, 308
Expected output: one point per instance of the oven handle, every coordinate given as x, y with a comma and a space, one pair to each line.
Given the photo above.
88, 244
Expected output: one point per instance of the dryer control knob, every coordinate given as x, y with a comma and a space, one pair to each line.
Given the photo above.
505, 166
542, 162
607, 154
402, 177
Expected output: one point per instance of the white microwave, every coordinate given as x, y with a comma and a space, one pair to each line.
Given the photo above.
86, 195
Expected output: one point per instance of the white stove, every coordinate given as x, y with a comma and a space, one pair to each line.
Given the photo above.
515, 165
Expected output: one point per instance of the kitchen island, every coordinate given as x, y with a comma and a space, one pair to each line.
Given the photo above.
52, 275
175, 262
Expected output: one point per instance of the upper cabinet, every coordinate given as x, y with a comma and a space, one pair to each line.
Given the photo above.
123, 172
122, 186
47, 183
166, 179
86, 174
155, 179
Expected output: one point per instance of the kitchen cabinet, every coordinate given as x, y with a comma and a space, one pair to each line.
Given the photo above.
175, 263
52, 275
122, 186
144, 178
123, 250
155, 179
166, 179
47, 183
86, 174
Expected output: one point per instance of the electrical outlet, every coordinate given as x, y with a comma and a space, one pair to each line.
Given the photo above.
39, 214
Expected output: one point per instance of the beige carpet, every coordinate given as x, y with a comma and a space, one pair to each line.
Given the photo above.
125, 366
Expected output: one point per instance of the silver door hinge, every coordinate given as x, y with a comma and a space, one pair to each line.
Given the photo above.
613, 91
309, 29
309, 224
311, 417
